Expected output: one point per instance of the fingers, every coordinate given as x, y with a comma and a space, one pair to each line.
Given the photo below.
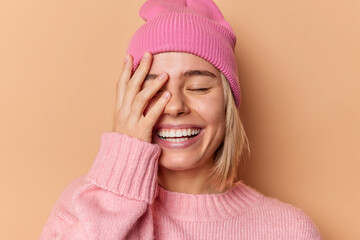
123, 80
131, 102
133, 86
156, 110
141, 100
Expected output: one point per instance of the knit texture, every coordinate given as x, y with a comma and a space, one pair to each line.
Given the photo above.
192, 26
120, 198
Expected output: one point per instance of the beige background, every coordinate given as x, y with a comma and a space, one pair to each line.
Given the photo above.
299, 67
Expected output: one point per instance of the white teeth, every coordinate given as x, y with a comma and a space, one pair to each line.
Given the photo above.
165, 133
184, 132
172, 133
178, 133
176, 139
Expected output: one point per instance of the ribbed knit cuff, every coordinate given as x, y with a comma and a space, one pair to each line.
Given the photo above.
126, 166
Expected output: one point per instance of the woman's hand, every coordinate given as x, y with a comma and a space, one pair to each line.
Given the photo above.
131, 101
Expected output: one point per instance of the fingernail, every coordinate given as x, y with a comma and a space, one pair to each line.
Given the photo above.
166, 95
146, 55
162, 76
126, 59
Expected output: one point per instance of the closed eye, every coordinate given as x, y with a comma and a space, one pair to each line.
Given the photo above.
192, 89
199, 89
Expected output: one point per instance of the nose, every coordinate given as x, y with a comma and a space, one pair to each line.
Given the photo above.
177, 105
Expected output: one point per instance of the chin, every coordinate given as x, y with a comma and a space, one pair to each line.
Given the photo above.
177, 163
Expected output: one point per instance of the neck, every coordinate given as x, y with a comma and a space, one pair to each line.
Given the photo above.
191, 181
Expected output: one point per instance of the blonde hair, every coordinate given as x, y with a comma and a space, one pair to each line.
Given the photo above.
231, 155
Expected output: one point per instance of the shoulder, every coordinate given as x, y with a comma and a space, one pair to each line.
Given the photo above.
283, 220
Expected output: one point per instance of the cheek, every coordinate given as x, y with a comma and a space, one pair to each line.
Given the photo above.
212, 110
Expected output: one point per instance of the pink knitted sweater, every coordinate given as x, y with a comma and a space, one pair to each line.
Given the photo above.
120, 198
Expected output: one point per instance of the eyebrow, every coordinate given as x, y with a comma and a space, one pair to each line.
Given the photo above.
188, 73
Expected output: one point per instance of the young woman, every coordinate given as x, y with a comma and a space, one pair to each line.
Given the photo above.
170, 167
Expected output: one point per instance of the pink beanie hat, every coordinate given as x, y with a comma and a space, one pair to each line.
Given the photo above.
191, 26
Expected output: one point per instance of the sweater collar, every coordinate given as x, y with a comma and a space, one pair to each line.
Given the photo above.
205, 207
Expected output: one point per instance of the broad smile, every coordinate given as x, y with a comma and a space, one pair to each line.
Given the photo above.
178, 137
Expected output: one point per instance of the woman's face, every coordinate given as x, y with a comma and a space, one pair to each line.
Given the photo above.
196, 108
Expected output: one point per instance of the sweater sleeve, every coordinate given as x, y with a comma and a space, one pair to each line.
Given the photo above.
113, 200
